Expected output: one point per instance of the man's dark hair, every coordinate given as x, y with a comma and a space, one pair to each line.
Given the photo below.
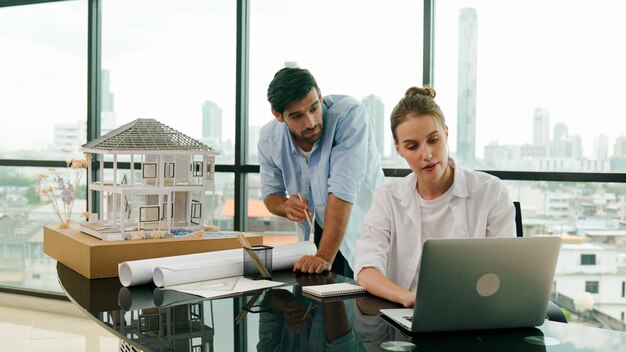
290, 84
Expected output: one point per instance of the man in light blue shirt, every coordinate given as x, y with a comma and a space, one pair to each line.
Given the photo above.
318, 158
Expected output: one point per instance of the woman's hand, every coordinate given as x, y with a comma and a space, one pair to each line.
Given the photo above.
407, 298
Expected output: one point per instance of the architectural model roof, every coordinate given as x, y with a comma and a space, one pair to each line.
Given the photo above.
146, 134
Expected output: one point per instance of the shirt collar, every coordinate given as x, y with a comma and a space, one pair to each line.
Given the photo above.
406, 191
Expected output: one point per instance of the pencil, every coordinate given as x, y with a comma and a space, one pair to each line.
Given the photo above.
306, 315
308, 310
248, 306
255, 258
306, 214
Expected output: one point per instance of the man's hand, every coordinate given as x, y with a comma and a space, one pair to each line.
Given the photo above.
311, 264
295, 208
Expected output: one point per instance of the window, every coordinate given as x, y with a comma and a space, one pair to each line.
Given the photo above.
587, 259
221, 203
22, 218
184, 76
197, 168
46, 96
196, 210
524, 119
623, 288
149, 170
174, 62
357, 59
592, 286
167, 212
169, 170
260, 220
149, 214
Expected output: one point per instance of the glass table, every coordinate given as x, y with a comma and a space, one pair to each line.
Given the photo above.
282, 319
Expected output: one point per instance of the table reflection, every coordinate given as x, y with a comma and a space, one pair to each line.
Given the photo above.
282, 319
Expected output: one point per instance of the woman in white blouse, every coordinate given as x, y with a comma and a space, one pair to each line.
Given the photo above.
437, 200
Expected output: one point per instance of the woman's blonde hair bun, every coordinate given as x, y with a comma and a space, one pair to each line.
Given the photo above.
427, 91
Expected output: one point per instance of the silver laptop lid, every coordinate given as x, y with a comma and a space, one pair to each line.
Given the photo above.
484, 283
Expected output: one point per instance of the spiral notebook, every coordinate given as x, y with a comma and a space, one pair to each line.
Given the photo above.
336, 290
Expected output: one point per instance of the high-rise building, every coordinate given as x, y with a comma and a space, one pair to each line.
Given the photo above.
211, 124
601, 147
563, 145
106, 97
466, 98
107, 107
559, 135
619, 149
69, 136
575, 143
541, 129
376, 111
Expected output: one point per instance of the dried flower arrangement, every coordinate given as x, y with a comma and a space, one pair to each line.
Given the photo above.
64, 188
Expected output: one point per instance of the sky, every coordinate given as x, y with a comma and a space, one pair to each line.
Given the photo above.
166, 58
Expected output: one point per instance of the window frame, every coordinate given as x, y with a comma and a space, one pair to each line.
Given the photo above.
591, 286
241, 168
587, 259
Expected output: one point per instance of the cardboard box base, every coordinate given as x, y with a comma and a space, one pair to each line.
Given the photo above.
94, 258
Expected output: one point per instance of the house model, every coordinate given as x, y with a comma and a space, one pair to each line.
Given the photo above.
165, 187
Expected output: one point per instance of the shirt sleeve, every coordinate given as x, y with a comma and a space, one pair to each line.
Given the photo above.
348, 160
501, 218
374, 246
272, 181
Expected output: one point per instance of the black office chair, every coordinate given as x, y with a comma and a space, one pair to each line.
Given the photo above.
554, 312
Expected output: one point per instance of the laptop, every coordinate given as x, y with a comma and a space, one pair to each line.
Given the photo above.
481, 283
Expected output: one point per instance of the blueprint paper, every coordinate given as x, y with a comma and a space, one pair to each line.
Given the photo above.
139, 272
223, 287
167, 271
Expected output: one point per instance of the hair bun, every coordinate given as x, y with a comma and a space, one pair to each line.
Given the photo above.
427, 91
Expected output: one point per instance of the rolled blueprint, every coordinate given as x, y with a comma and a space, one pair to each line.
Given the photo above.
180, 269
139, 272
182, 273
283, 257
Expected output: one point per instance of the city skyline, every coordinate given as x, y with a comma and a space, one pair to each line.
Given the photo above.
500, 116
558, 144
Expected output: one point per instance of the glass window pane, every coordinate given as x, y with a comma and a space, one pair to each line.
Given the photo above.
175, 64
525, 87
589, 217
366, 49
22, 219
222, 205
587, 259
43, 90
275, 229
